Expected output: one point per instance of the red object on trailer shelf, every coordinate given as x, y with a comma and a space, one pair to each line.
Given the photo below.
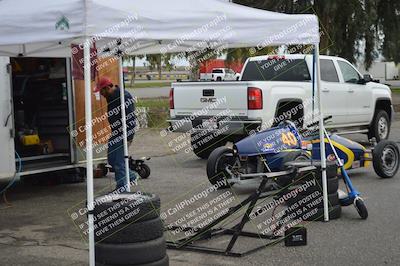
209, 65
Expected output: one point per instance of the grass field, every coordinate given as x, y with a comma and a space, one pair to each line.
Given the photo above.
149, 85
158, 111
396, 90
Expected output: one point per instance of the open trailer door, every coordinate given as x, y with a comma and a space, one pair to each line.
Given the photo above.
100, 127
7, 152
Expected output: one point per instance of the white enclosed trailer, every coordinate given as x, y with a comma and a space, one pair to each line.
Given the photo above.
39, 97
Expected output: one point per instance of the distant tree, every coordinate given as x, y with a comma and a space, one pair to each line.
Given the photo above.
351, 28
157, 61
132, 60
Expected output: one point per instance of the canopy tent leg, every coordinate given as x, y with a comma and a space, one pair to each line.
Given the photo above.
123, 116
89, 148
321, 133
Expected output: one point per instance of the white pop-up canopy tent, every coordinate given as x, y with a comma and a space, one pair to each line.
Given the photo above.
48, 28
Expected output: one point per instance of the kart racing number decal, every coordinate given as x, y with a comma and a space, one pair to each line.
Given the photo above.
289, 139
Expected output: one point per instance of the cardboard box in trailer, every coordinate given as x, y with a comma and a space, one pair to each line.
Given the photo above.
42, 116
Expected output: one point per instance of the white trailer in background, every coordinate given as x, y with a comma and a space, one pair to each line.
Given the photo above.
385, 72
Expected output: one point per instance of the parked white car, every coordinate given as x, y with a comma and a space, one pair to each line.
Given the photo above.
276, 88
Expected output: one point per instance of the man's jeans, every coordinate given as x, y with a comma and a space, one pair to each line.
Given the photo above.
116, 159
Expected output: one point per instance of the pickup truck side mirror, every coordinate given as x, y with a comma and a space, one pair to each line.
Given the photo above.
367, 78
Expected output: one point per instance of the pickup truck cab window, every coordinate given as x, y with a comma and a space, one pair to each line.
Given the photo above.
217, 71
350, 75
328, 71
276, 70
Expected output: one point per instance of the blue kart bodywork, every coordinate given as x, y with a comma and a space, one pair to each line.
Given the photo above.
274, 143
352, 154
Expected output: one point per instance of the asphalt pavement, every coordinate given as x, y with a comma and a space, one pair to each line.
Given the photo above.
36, 227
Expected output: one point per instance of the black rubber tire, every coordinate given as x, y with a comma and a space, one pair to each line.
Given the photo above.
132, 253
333, 184
163, 262
144, 171
293, 156
219, 79
71, 176
314, 213
215, 175
374, 127
289, 161
143, 207
377, 158
333, 199
203, 150
131, 233
103, 168
361, 208
331, 167
334, 213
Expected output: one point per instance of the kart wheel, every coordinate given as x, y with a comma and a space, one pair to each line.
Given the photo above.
129, 233
385, 158
103, 169
144, 171
138, 253
333, 200
136, 206
361, 208
316, 213
334, 213
292, 156
219, 159
203, 149
380, 126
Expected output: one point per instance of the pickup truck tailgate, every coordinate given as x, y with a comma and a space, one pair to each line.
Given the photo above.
210, 98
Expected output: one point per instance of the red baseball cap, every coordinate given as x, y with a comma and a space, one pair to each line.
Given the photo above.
103, 82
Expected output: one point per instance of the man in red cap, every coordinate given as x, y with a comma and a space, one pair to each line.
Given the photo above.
115, 152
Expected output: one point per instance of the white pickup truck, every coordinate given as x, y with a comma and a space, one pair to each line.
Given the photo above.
276, 88
223, 74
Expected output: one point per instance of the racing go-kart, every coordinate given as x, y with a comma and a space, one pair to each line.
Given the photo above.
270, 151
282, 147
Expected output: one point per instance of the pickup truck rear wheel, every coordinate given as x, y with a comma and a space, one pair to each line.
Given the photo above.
380, 126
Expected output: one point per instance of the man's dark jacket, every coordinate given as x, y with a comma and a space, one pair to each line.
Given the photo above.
114, 115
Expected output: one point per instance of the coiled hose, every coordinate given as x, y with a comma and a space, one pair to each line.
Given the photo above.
15, 175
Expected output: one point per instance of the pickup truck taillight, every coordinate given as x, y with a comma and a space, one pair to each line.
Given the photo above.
171, 98
254, 98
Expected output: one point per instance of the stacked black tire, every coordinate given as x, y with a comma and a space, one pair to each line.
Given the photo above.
129, 231
316, 211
